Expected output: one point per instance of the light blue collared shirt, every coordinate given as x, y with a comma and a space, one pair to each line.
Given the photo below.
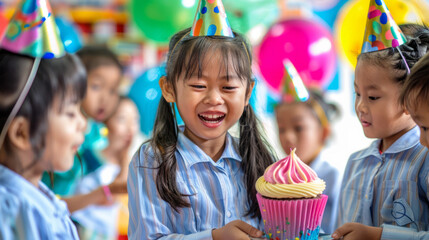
30, 213
389, 190
217, 193
332, 177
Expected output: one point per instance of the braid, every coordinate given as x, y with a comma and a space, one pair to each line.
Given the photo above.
256, 156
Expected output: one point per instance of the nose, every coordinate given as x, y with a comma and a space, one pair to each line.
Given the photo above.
360, 105
287, 139
213, 97
81, 122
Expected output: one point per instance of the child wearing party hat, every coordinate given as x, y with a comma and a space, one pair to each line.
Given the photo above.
40, 121
197, 181
384, 190
303, 119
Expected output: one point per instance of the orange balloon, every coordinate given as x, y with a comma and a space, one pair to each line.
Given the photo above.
350, 25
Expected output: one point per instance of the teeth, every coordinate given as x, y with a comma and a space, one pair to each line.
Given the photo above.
211, 116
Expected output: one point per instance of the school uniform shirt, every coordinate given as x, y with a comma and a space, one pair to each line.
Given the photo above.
27, 212
216, 190
389, 190
332, 177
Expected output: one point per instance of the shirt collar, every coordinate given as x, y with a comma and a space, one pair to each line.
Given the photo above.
406, 141
192, 154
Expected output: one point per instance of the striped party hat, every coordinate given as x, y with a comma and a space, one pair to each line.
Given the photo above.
293, 87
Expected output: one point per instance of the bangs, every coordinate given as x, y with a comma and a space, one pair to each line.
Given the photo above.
197, 52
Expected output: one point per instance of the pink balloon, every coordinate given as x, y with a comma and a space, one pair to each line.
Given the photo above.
306, 43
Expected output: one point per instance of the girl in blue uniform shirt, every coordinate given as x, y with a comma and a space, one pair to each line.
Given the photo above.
197, 181
43, 136
385, 186
306, 127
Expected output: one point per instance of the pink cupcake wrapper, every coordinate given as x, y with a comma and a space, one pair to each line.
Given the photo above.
292, 219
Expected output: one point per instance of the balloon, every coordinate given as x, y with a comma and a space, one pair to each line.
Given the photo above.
3, 24
350, 27
158, 20
146, 93
245, 14
306, 43
69, 34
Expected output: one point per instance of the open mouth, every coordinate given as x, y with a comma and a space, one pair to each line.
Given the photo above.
212, 118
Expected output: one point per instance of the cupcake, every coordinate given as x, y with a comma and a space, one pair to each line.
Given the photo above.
291, 201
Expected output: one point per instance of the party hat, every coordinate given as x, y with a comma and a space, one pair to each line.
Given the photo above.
294, 89
211, 19
381, 30
32, 31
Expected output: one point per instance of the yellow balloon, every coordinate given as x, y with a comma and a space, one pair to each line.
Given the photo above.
350, 25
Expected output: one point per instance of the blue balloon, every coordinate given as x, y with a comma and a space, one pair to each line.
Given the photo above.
69, 34
146, 93
263, 99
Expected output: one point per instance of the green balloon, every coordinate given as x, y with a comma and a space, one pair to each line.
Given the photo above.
159, 20
245, 14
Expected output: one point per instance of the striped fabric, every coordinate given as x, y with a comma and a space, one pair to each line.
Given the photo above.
30, 213
390, 190
217, 194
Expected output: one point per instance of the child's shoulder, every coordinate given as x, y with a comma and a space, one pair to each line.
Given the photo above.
145, 156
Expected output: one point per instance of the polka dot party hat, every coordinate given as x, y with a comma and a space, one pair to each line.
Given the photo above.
211, 20
293, 87
381, 31
32, 31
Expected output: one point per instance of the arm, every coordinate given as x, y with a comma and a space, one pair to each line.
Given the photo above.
95, 197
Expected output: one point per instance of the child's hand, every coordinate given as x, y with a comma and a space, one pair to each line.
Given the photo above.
350, 231
236, 230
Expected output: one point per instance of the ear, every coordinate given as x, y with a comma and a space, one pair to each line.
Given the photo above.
252, 85
326, 132
167, 90
19, 133
406, 111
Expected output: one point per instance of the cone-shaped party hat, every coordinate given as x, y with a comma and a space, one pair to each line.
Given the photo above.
211, 20
381, 30
293, 87
32, 31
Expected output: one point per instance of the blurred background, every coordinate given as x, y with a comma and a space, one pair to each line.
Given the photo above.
321, 37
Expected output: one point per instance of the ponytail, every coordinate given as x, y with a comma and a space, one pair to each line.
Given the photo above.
164, 143
255, 154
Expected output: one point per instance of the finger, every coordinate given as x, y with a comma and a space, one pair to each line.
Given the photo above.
249, 229
342, 231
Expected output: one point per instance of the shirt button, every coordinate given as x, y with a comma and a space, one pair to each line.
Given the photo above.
228, 213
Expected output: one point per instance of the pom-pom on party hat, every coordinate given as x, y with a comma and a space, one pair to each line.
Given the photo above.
211, 20
293, 87
32, 31
381, 30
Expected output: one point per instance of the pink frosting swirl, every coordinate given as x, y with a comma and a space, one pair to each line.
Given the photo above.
289, 170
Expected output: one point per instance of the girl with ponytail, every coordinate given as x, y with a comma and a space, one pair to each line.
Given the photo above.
197, 181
